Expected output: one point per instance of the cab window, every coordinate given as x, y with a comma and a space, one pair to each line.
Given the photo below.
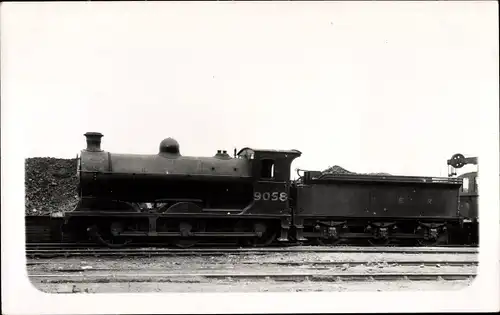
267, 169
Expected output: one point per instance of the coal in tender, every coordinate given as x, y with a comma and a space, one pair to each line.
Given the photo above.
338, 170
51, 185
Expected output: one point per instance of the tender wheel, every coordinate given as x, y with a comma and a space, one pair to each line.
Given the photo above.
442, 239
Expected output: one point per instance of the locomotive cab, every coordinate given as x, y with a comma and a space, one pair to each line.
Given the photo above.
270, 171
270, 165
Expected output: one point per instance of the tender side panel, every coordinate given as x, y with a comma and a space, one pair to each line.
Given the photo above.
420, 200
356, 199
329, 200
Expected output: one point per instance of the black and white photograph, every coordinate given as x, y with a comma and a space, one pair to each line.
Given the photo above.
266, 151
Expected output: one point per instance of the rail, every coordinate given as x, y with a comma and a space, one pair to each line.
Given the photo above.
304, 276
149, 252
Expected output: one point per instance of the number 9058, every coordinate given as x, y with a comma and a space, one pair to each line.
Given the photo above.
273, 196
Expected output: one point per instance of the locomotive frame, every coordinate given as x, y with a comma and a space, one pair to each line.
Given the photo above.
167, 197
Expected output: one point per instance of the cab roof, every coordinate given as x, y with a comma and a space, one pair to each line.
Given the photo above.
247, 150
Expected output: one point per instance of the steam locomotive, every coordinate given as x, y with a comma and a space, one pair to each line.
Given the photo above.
249, 198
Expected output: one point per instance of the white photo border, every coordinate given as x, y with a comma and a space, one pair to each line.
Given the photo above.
19, 296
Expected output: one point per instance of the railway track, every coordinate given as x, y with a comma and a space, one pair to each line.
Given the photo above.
222, 245
310, 264
50, 251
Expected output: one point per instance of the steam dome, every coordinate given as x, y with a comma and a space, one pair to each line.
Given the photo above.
169, 145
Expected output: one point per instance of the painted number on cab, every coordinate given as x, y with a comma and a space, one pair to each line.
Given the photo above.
272, 196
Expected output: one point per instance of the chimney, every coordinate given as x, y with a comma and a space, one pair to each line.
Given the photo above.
93, 141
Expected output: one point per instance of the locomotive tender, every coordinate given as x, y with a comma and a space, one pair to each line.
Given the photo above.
249, 197
379, 209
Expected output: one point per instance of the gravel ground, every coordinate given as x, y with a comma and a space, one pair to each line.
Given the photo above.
250, 286
145, 274
373, 260
134, 262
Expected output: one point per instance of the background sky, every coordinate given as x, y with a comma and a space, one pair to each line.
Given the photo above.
373, 87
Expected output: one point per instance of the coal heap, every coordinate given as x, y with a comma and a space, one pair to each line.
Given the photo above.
51, 185
337, 170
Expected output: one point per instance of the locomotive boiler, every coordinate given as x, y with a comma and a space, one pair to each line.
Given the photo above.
183, 198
